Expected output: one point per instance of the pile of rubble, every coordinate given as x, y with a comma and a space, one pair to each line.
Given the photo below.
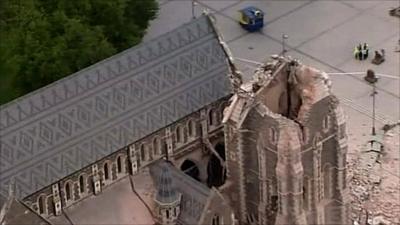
372, 202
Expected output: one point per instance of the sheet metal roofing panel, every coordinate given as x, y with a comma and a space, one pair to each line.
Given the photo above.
67, 125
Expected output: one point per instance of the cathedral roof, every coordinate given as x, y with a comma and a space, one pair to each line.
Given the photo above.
16, 212
71, 123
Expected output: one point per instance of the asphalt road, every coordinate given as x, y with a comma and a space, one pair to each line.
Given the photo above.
321, 33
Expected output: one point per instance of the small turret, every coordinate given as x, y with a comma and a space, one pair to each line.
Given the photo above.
167, 200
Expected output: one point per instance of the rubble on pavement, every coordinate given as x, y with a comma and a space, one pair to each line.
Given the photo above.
375, 190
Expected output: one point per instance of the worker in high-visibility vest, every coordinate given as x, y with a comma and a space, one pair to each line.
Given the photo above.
364, 51
357, 52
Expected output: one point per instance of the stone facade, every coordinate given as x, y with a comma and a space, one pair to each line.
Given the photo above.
287, 148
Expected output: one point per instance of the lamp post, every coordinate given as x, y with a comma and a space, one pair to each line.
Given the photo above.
284, 37
193, 5
372, 79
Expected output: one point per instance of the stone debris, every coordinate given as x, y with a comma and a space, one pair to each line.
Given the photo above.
375, 192
379, 57
395, 12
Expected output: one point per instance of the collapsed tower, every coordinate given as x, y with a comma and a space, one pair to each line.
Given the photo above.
286, 148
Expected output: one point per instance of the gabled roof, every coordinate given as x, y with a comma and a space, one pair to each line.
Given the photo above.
67, 125
15, 212
194, 193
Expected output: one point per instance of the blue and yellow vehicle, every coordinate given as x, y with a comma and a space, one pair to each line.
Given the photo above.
251, 18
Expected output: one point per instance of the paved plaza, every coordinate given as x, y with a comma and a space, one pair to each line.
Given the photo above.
321, 33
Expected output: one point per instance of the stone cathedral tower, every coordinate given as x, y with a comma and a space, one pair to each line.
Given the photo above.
286, 148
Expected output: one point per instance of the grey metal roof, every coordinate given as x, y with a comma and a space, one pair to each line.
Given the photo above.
65, 126
194, 193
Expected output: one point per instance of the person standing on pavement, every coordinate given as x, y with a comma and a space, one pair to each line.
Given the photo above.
365, 50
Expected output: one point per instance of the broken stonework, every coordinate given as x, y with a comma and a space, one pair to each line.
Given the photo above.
286, 147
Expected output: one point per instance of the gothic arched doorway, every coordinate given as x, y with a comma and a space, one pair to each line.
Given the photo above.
215, 170
191, 169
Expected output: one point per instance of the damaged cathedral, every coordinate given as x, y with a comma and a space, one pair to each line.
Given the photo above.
167, 133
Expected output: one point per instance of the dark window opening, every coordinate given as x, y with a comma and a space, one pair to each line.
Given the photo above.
106, 175
174, 211
190, 128
119, 164
142, 153
41, 205
274, 203
215, 220
211, 117
165, 149
167, 212
304, 198
191, 169
81, 184
156, 143
68, 191
215, 170
178, 134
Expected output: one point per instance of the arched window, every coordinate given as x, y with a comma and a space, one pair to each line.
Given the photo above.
191, 126
106, 172
41, 204
68, 191
119, 164
273, 135
149, 153
165, 147
81, 184
178, 133
325, 123
215, 220
327, 174
156, 146
211, 121
142, 153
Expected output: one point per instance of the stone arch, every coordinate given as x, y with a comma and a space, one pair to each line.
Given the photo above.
191, 128
42, 204
156, 146
82, 181
273, 135
107, 171
211, 117
326, 123
142, 150
68, 190
215, 170
120, 162
327, 172
306, 191
216, 220
190, 168
179, 134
